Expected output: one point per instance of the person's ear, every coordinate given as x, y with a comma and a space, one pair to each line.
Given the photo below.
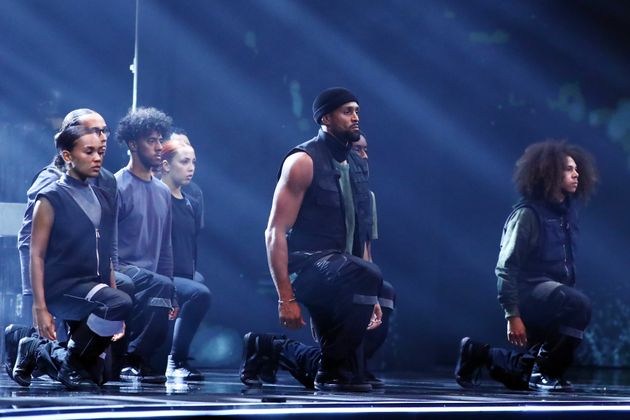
67, 157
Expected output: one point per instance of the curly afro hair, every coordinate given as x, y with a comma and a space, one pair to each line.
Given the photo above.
141, 123
540, 169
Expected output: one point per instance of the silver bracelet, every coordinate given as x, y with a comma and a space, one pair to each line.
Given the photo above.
280, 302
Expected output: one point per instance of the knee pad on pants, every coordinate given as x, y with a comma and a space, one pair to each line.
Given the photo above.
574, 306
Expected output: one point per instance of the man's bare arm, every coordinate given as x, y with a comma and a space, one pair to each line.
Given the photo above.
296, 177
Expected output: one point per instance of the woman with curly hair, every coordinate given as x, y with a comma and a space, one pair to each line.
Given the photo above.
545, 313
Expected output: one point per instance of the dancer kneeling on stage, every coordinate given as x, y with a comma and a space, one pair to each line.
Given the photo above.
264, 354
145, 252
319, 222
71, 269
545, 313
178, 168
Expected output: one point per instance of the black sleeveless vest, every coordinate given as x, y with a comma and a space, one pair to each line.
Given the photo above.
76, 253
320, 224
558, 232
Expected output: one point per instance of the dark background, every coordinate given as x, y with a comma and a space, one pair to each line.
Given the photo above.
451, 92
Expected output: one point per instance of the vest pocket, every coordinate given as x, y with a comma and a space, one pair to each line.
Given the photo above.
327, 194
554, 242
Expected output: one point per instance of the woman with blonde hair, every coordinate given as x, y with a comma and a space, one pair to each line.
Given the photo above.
178, 169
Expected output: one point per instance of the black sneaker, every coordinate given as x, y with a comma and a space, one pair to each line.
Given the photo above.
149, 376
25, 361
182, 370
13, 333
338, 382
133, 369
373, 380
130, 374
472, 357
143, 375
541, 382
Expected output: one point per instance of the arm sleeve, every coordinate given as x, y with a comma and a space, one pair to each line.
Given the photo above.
106, 182
201, 210
42, 180
195, 193
165, 262
115, 262
198, 212
45, 177
519, 240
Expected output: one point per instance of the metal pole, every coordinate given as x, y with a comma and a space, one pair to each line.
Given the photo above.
134, 65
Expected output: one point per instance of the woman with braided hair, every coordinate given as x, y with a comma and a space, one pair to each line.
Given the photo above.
71, 268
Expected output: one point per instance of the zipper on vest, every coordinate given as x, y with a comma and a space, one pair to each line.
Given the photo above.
98, 235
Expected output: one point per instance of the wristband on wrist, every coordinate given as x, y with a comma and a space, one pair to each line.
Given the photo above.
280, 301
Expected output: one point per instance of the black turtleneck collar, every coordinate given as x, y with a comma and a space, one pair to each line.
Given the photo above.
337, 147
561, 207
68, 180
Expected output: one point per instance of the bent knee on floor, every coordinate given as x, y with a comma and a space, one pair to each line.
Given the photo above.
575, 304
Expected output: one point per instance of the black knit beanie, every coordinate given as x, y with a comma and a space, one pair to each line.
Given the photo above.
329, 100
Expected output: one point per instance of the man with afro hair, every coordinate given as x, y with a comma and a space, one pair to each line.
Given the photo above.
144, 242
545, 313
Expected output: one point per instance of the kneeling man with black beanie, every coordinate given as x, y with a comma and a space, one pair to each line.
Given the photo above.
319, 224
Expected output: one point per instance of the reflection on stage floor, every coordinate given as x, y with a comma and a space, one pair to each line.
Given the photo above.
405, 395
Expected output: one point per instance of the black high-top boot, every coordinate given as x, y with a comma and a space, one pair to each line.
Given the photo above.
25, 361
340, 376
370, 377
70, 373
84, 349
93, 359
472, 357
13, 333
260, 359
345, 375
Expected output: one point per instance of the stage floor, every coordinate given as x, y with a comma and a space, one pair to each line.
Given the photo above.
435, 394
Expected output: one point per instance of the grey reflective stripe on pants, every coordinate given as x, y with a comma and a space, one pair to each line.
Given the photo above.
160, 302
386, 303
571, 332
102, 326
364, 299
94, 290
